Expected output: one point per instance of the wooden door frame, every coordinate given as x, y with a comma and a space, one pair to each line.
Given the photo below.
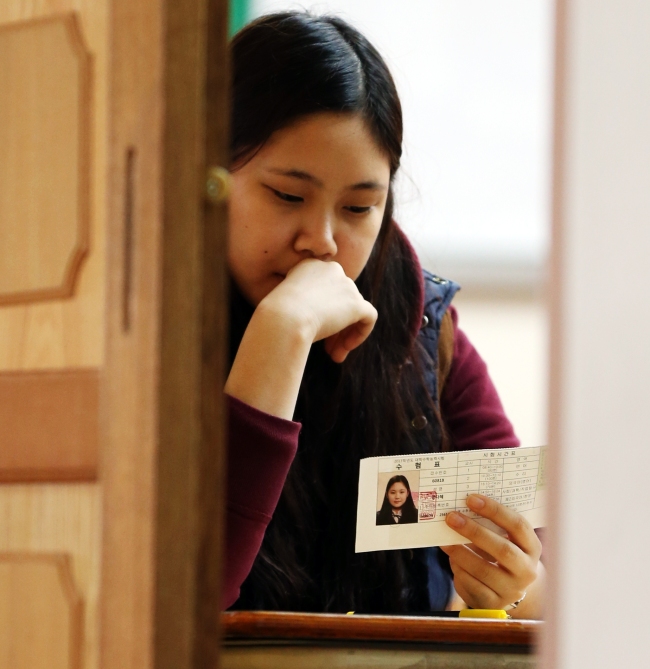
163, 418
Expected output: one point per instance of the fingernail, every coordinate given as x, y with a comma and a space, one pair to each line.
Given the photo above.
456, 519
475, 502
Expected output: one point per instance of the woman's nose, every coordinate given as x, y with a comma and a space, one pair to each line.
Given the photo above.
316, 237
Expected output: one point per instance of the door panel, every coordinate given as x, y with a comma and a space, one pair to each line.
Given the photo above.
45, 527
49, 425
45, 144
55, 332
28, 639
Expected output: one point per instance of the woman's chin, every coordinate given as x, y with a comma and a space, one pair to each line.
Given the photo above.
256, 292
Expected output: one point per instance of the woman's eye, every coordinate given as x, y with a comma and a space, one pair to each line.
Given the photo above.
286, 197
358, 210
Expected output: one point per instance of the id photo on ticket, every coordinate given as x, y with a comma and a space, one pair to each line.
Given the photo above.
403, 500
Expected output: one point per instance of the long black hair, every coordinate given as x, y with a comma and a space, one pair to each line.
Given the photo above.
409, 512
287, 66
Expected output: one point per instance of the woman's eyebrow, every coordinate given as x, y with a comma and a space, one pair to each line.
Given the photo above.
306, 176
368, 185
297, 174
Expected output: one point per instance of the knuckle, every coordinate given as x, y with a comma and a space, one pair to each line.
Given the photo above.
530, 574
472, 529
507, 552
521, 525
483, 571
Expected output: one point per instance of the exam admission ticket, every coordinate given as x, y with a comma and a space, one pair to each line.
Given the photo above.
437, 484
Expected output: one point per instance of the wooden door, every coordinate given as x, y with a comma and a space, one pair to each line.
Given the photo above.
53, 143
111, 331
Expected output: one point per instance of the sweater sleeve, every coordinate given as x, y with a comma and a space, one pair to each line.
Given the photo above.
261, 449
470, 406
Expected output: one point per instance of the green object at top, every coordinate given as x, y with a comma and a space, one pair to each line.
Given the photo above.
239, 15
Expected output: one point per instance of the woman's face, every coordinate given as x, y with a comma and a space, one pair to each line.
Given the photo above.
397, 495
316, 189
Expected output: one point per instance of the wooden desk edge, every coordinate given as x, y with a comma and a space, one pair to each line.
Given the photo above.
258, 625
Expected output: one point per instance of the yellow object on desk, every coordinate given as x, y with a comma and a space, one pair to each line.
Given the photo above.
499, 614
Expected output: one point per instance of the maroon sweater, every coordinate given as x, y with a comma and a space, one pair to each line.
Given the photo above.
262, 448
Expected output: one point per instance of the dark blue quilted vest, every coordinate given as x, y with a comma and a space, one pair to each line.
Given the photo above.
438, 294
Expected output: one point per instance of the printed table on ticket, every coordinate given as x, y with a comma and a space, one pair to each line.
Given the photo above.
438, 483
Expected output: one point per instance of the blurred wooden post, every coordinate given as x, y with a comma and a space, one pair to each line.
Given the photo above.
164, 423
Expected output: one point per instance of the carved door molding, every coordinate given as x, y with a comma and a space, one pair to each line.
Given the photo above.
45, 144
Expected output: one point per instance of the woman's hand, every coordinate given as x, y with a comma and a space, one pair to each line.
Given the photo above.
494, 571
318, 296
315, 301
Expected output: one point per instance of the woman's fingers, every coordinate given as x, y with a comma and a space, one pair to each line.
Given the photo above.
503, 566
488, 573
340, 344
320, 294
519, 530
505, 552
473, 592
335, 349
483, 554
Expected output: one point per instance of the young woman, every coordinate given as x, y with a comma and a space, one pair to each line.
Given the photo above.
397, 507
341, 347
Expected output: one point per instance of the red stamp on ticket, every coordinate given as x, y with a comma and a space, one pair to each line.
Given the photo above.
427, 504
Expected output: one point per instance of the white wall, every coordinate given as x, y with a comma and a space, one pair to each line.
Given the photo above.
600, 422
511, 334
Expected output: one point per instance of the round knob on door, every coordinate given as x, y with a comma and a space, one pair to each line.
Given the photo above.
217, 185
